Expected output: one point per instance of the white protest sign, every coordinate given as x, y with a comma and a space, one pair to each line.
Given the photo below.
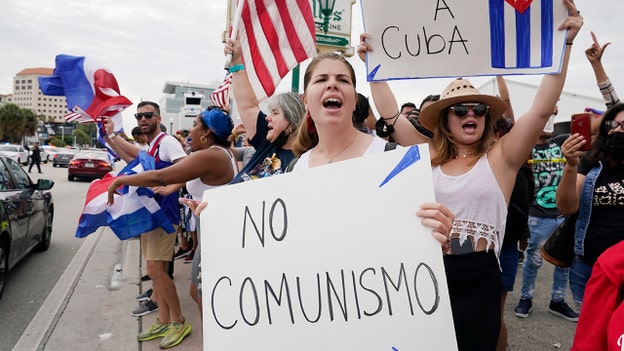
326, 259
459, 38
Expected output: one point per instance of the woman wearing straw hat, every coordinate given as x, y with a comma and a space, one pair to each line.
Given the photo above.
466, 164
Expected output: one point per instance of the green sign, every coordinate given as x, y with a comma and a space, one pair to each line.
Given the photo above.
331, 40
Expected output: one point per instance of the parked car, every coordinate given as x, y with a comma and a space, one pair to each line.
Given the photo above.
62, 156
26, 214
17, 153
89, 164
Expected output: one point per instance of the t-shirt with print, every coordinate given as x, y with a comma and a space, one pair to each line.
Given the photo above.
268, 159
547, 162
607, 214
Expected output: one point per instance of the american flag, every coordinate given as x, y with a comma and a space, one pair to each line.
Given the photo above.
275, 36
221, 95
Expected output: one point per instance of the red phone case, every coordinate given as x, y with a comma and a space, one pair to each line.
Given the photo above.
581, 123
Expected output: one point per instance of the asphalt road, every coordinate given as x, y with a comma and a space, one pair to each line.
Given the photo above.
30, 282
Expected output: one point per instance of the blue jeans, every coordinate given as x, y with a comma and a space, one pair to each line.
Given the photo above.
540, 229
579, 275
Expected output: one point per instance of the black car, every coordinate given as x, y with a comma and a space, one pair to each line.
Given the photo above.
26, 215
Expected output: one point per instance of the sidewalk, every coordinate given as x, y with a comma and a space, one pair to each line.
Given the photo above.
96, 312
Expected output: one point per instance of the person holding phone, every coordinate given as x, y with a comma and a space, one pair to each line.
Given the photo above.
592, 184
547, 162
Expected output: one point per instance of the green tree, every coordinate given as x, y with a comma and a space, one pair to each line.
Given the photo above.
16, 122
82, 138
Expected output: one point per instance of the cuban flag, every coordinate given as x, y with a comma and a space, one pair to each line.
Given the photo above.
90, 88
133, 213
533, 21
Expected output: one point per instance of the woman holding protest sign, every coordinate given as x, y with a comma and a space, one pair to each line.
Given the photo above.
327, 133
466, 163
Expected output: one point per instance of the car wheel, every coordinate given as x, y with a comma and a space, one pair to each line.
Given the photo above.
53, 164
46, 236
70, 177
4, 266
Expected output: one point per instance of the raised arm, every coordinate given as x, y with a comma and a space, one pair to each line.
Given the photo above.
387, 107
126, 150
246, 101
594, 56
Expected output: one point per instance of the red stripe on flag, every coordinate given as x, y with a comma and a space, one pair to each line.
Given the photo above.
295, 42
274, 40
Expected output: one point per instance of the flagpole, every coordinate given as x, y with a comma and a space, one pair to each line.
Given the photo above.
234, 32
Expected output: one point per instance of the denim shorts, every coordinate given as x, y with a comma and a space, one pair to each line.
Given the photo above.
509, 266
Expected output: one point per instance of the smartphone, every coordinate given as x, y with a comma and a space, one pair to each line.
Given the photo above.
457, 249
581, 123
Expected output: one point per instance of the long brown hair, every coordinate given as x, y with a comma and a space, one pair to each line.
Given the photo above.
445, 143
307, 137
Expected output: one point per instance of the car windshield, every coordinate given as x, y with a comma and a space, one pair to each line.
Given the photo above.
8, 148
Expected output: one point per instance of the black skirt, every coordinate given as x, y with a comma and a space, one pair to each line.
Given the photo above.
474, 283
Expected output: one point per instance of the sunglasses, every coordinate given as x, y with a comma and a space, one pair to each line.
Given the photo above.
612, 124
461, 110
140, 115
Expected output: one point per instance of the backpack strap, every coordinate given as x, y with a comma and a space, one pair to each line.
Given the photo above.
292, 164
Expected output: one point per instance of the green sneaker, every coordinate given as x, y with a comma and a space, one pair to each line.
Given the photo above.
175, 334
156, 330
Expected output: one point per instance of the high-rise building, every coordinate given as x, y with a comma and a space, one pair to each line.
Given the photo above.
26, 94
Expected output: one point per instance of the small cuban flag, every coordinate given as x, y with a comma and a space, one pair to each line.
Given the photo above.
531, 44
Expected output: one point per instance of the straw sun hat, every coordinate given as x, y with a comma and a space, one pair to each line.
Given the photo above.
460, 91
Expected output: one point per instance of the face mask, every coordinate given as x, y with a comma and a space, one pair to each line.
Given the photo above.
615, 144
281, 140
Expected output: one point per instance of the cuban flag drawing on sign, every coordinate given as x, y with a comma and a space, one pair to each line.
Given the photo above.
533, 23
133, 213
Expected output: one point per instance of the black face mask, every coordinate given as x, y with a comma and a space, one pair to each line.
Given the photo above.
615, 144
281, 140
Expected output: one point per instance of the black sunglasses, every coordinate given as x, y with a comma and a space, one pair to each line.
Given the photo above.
461, 110
140, 115
612, 124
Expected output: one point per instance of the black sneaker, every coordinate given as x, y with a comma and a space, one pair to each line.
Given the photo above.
145, 295
524, 308
146, 307
145, 278
561, 309
181, 253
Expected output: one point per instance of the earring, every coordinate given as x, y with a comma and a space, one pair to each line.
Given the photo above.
203, 139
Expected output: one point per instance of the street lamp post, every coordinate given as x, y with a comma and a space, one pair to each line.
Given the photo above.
327, 7
63, 133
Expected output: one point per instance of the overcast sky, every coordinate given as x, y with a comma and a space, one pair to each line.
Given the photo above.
145, 43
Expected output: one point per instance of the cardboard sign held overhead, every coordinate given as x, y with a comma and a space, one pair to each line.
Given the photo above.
459, 38
331, 258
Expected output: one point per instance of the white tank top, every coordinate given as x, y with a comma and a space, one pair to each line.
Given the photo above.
377, 145
196, 187
477, 202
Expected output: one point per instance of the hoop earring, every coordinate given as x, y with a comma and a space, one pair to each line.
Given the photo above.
203, 139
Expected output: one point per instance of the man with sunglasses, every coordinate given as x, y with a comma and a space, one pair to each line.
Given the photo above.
157, 245
546, 161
